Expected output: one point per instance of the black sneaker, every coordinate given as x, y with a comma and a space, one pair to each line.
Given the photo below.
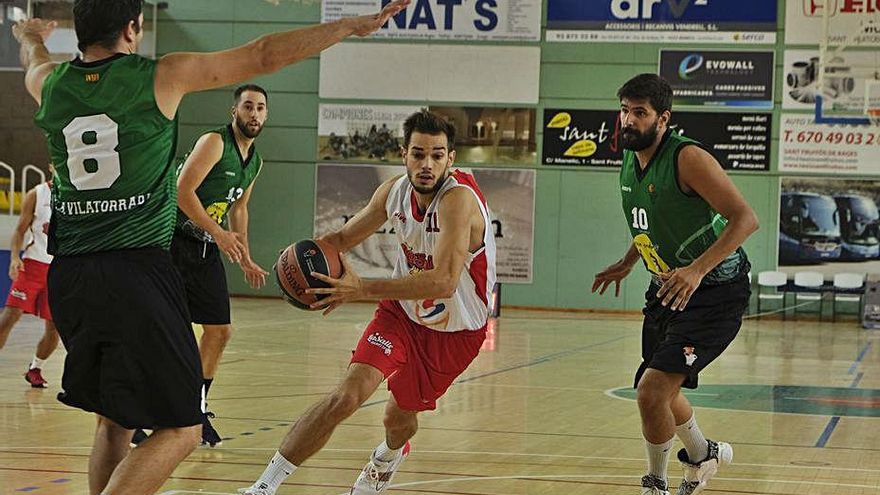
138, 437
210, 436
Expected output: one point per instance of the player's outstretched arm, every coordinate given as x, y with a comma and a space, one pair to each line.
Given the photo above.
182, 73
28, 207
32, 34
205, 154
239, 219
365, 222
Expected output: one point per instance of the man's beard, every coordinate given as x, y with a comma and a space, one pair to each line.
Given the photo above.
438, 183
634, 140
246, 130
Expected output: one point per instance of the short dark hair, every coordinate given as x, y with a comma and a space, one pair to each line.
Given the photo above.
249, 87
649, 87
100, 22
429, 123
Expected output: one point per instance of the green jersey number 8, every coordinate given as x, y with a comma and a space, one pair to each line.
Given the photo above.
92, 160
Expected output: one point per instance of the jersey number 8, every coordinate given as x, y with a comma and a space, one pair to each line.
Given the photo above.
92, 160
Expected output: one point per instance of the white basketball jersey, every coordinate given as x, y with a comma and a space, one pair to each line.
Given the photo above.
417, 234
38, 239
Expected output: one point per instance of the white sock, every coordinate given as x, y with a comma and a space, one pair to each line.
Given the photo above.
37, 362
276, 472
694, 442
658, 457
385, 453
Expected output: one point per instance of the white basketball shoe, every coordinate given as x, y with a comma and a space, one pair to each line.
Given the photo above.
376, 475
697, 475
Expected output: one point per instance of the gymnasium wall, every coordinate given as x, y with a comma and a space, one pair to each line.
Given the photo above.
579, 225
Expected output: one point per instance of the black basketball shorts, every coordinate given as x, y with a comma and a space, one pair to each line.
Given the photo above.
687, 341
131, 353
204, 277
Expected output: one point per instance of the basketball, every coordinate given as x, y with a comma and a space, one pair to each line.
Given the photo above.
295, 265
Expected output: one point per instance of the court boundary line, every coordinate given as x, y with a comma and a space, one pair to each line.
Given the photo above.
524, 454
609, 394
541, 477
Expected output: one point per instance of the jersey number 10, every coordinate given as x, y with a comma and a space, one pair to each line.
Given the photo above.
640, 218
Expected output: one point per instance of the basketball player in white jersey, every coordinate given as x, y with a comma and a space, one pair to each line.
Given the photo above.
28, 293
435, 307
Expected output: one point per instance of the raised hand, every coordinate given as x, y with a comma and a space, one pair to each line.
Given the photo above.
366, 25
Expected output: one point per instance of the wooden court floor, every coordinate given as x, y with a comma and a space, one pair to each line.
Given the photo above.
544, 410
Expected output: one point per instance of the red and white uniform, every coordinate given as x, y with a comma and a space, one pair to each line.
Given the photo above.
421, 347
29, 291
417, 235
38, 243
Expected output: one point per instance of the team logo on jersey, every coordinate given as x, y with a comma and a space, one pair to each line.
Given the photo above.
651, 188
689, 356
381, 342
217, 210
19, 294
400, 216
93, 77
417, 262
432, 314
625, 188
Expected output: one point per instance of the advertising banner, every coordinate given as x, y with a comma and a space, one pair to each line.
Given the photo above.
829, 226
719, 78
474, 20
805, 146
856, 22
740, 141
658, 21
344, 189
374, 133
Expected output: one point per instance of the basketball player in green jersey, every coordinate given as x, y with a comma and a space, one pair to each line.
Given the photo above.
119, 303
214, 184
688, 222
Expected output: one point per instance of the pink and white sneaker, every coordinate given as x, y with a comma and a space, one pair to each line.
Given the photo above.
376, 475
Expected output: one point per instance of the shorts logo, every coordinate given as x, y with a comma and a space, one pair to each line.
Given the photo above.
689, 356
19, 294
379, 341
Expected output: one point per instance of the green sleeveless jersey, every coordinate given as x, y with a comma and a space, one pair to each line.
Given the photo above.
113, 152
227, 180
671, 229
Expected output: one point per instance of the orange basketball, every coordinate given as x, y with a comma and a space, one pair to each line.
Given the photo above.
295, 265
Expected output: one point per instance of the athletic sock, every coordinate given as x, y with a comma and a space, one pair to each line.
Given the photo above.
37, 362
658, 457
694, 442
385, 453
276, 472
